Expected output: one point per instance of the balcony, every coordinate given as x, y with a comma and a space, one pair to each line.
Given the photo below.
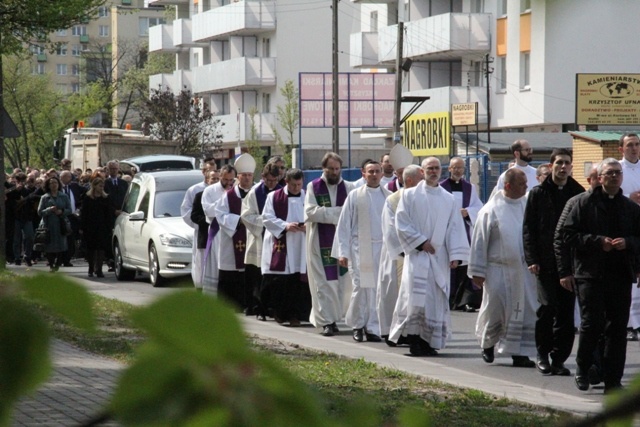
168, 2
161, 39
42, 57
441, 99
235, 19
363, 50
84, 38
176, 81
183, 34
439, 38
237, 127
235, 74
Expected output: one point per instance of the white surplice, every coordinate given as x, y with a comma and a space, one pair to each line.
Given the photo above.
252, 219
210, 197
197, 255
631, 183
507, 315
228, 222
359, 239
390, 263
295, 242
427, 213
329, 298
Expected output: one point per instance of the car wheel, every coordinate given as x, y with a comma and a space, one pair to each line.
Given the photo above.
122, 273
154, 267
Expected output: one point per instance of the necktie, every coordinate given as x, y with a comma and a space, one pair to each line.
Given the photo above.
66, 190
115, 182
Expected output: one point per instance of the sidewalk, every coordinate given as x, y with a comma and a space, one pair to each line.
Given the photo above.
82, 381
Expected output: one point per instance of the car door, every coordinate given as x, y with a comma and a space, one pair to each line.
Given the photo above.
138, 230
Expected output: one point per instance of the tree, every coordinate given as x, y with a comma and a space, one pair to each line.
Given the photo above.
288, 119
21, 22
181, 118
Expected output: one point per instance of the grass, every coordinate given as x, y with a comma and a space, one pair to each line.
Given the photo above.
338, 381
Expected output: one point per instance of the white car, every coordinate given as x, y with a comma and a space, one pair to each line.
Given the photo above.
150, 235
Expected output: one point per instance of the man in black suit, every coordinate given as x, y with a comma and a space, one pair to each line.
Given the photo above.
75, 192
116, 188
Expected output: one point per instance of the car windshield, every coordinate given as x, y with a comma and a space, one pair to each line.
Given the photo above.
168, 204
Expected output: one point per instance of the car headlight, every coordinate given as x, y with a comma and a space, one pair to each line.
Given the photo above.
173, 240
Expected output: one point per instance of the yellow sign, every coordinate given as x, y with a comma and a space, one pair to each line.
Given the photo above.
608, 99
464, 114
427, 134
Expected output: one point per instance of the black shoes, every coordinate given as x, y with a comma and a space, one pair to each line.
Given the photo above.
330, 330
488, 354
543, 365
611, 388
90, 274
594, 376
99, 274
582, 382
421, 348
294, 322
373, 337
67, 264
358, 334
559, 369
523, 362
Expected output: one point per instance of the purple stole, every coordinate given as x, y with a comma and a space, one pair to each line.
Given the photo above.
240, 236
326, 232
466, 198
393, 185
279, 250
261, 194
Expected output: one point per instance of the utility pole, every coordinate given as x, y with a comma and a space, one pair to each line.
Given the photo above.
487, 72
335, 104
398, 103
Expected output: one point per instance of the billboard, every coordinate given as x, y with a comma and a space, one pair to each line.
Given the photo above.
464, 114
365, 100
428, 134
607, 99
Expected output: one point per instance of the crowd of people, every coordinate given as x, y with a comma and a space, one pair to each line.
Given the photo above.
392, 254
72, 212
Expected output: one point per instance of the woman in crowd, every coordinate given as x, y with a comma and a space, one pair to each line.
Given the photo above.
53, 208
95, 225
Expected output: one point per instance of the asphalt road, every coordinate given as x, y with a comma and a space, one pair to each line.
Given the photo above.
460, 362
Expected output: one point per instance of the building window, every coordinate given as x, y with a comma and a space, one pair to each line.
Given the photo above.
79, 30
266, 102
76, 49
525, 6
104, 31
477, 6
39, 68
502, 73
145, 23
36, 49
75, 87
476, 74
373, 21
502, 7
103, 11
525, 70
61, 69
75, 69
61, 50
62, 33
266, 48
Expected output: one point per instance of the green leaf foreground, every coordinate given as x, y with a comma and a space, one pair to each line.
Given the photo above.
196, 367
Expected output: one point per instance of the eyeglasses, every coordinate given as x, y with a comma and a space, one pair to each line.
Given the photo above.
612, 173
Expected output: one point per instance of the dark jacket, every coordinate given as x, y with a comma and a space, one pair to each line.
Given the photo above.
593, 217
544, 206
198, 217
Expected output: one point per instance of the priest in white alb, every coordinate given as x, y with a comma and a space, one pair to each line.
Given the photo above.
433, 239
508, 312
357, 245
391, 259
284, 255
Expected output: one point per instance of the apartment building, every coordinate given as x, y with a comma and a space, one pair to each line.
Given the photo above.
236, 55
120, 24
535, 47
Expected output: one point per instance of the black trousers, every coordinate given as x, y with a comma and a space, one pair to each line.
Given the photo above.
462, 291
604, 308
253, 279
287, 295
232, 288
555, 327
